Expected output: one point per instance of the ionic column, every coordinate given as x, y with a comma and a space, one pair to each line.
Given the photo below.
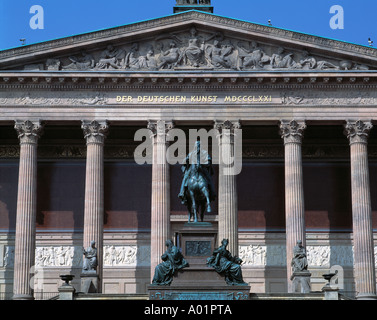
160, 209
292, 133
365, 277
28, 134
95, 133
228, 198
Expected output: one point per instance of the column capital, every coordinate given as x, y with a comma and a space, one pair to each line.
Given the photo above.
95, 131
292, 131
357, 131
29, 131
227, 125
160, 128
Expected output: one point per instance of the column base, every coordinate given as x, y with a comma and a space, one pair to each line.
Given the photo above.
22, 297
366, 296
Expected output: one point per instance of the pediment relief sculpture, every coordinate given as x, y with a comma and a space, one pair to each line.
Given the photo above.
196, 51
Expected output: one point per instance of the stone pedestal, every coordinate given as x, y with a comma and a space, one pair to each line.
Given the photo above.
301, 282
182, 8
89, 282
330, 293
198, 291
197, 241
66, 292
198, 281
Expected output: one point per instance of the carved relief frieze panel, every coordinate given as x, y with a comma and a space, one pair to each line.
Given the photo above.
72, 256
194, 49
253, 255
323, 256
120, 256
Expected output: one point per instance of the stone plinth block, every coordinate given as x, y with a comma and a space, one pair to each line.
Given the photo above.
66, 292
89, 282
330, 293
199, 292
301, 282
197, 240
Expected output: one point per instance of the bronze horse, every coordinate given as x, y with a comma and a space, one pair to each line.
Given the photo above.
197, 194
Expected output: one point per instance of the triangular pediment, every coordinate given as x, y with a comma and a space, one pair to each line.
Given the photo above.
191, 41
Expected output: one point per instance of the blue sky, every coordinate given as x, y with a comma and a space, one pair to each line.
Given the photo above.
69, 17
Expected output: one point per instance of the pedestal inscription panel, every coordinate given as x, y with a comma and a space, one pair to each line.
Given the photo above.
198, 248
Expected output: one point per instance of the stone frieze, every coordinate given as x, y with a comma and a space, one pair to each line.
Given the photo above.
318, 256
97, 99
124, 256
71, 256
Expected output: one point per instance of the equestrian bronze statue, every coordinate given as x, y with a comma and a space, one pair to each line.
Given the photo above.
197, 190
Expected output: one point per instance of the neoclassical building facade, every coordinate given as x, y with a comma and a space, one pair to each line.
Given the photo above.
301, 109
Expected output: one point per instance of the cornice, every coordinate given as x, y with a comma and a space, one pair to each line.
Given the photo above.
20, 80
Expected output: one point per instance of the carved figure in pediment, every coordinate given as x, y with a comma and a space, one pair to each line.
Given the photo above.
151, 59
360, 67
280, 60
193, 54
53, 64
169, 58
218, 55
112, 58
309, 62
254, 57
205, 2
84, 62
134, 60
349, 65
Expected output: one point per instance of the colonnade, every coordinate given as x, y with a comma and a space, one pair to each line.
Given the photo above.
292, 133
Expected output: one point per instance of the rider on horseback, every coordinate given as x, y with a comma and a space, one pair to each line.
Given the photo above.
204, 161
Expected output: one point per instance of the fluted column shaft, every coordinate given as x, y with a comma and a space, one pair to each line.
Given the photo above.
292, 133
228, 197
365, 277
28, 134
160, 207
95, 133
